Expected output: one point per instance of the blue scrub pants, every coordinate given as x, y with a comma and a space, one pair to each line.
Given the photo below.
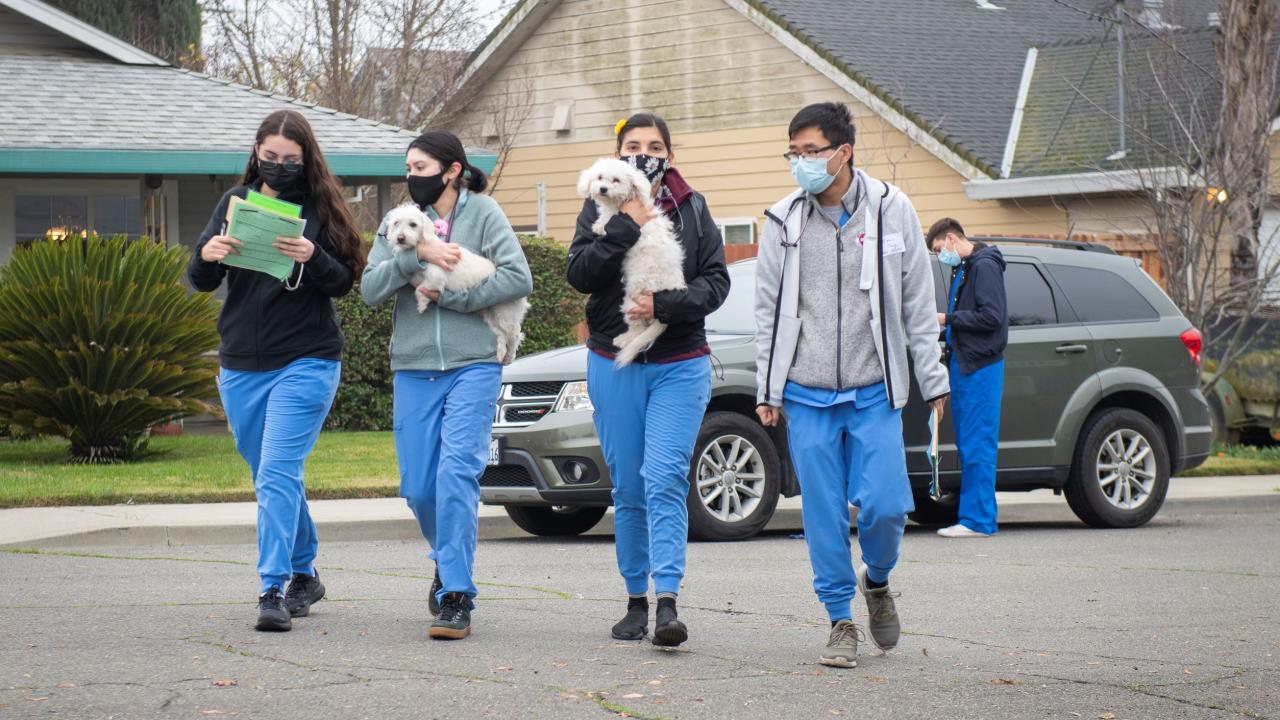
647, 417
850, 452
443, 421
275, 417
975, 403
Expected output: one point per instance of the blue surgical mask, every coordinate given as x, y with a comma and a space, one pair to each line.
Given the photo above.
811, 174
950, 258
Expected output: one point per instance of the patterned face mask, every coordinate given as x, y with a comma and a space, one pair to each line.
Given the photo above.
652, 167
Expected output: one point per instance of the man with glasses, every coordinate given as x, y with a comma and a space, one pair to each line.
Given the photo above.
843, 290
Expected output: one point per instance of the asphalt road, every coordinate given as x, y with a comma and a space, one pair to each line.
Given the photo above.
1179, 619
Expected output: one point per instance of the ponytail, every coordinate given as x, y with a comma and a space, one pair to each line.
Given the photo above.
447, 149
475, 178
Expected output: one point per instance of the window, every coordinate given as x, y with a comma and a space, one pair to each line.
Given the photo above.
738, 231
36, 215
1101, 295
737, 316
117, 215
1028, 295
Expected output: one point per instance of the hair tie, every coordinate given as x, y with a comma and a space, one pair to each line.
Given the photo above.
621, 124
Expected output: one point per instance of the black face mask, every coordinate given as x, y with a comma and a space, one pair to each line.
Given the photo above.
280, 177
652, 167
425, 189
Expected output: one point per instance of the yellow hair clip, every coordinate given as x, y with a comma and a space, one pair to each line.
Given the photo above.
618, 128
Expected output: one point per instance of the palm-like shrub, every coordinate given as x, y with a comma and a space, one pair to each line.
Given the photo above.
99, 341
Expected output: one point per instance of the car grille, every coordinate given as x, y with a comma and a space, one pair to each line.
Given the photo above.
525, 403
506, 476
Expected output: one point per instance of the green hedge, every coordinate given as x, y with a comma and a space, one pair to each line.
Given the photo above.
364, 397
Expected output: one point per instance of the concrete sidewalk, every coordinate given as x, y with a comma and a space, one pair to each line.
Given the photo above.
389, 519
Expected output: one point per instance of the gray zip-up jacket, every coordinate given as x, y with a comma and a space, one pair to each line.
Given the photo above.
895, 275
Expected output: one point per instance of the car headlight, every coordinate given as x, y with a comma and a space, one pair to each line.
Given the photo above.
573, 396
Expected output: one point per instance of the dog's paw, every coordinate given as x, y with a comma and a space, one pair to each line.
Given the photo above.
598, 226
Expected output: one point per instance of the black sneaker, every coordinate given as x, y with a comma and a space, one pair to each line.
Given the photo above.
454, 622
667, 630
272, 614
303, 592
433, 604
635, 624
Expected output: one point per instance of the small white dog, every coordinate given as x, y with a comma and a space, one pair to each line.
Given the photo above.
407, 228
655, 263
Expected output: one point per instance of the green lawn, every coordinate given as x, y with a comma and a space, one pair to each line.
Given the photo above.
190, 469
1240, 460
344, 465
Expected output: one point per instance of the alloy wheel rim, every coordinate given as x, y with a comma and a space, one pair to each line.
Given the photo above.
1126, 469
731, 478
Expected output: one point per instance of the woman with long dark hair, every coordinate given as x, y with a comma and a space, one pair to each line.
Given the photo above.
647, 414
447, 376
281, 350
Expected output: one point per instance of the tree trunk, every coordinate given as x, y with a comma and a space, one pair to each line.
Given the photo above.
1244, 59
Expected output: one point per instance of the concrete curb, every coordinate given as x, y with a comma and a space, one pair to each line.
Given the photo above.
499, 526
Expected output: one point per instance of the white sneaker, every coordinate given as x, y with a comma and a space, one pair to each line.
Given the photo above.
960, 531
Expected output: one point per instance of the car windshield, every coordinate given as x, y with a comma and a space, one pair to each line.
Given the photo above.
737, 316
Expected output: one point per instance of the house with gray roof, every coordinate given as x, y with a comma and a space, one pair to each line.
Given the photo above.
97, 134
1001, 113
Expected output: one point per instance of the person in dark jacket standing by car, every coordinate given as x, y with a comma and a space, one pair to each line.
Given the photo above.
281, 350
976, 326
647, 414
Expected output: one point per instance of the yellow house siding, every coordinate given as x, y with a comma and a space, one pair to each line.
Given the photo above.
741, 173
1273, 150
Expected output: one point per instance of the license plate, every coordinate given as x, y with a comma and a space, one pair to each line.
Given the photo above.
495, 451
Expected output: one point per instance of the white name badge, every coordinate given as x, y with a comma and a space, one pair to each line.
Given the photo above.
894, 244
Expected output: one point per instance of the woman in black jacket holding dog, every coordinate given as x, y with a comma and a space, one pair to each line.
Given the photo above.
647, 414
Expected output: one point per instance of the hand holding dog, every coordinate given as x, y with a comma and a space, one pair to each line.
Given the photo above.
642, 307
219, 247
445, 255
433, 295
297, 249
636, 210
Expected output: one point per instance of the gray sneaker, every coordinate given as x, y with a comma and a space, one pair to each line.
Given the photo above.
842, 647
883, 615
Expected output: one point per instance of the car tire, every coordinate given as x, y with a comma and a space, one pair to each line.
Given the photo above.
732, 494
1131, 493
936, 513
559, 521
1222, 434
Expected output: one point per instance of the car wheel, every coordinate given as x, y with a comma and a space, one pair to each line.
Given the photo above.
734, 479
1121, 470
556, 521
930, 512
1222, 434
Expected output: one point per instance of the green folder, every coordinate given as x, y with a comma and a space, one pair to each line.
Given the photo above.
257, 228
274, 204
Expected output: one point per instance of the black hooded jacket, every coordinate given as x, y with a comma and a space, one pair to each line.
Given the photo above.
263, 325
979, 321
595, 267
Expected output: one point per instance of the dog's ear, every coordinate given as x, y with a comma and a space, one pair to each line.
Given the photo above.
640, 185
584, 181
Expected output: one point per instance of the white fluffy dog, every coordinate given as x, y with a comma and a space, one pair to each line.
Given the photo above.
407, 228
655, 263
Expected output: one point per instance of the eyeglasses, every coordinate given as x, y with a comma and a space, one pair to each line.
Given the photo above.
287, 166
810, 154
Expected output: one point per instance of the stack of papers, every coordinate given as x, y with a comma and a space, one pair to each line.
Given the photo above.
256, 221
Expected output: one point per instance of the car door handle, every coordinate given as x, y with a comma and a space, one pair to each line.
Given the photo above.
1071, 349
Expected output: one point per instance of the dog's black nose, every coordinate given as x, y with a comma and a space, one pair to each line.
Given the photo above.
604, 191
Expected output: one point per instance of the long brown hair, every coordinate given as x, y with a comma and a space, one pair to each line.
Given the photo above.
321, 186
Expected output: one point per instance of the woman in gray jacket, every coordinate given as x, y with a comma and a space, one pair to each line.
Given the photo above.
447, 376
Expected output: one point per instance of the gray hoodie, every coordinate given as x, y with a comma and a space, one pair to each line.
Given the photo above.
895, 277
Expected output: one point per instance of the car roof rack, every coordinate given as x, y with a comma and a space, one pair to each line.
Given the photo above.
1064, 244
